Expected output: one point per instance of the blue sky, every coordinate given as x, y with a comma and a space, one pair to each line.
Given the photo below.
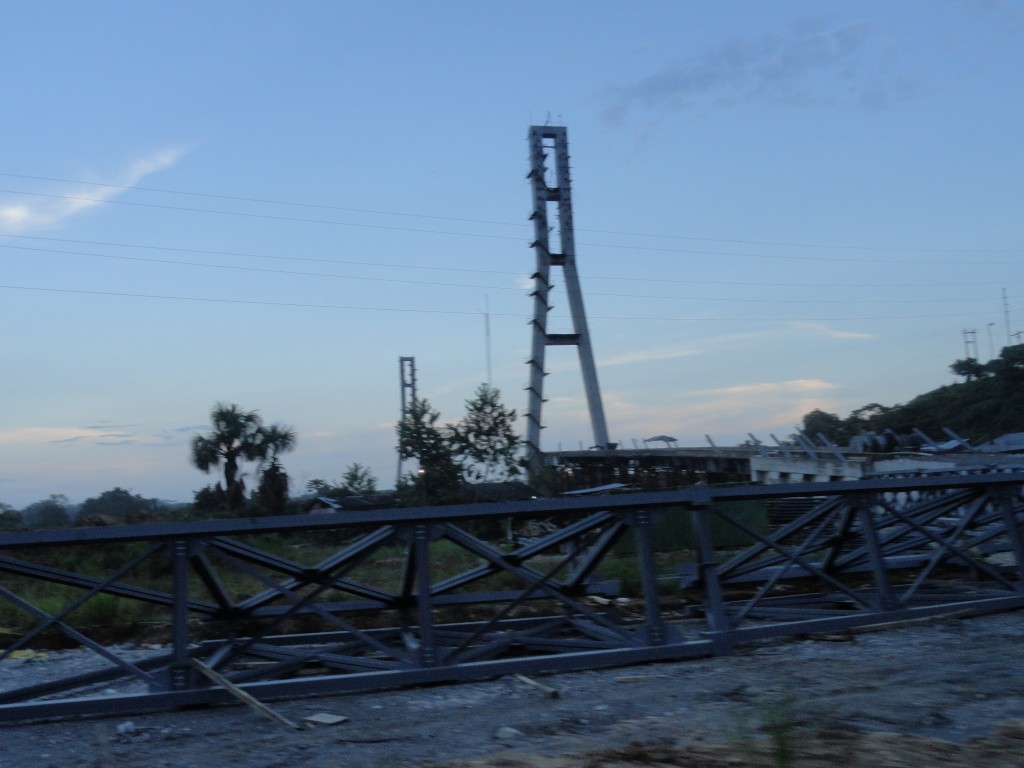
779, 207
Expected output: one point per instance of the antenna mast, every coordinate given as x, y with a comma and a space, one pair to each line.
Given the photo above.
487, 336
1006, 316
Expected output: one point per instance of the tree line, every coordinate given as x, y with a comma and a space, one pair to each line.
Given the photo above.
989, 402
117, 505
243, 450
452, 458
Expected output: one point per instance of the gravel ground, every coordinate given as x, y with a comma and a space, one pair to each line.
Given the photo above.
829, 698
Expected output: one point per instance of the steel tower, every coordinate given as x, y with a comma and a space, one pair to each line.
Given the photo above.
554, 192
407, 383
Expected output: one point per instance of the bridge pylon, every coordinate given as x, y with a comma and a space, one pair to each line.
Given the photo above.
552, 192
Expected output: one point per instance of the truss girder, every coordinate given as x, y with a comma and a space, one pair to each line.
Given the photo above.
424, 595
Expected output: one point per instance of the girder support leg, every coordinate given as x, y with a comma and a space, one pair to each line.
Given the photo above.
655, 626
181, 671
884, 600
421, 549
714, 605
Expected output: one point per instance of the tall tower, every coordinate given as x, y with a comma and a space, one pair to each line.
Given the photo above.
407, 383
552, 194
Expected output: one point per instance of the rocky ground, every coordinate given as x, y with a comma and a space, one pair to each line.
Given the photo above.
947, 692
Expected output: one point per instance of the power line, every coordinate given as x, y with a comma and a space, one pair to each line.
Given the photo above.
653, 249
235, 267
237, 198
429, 283
244, 214
246, 301
430, 267
323, 206
244, 254
408, 310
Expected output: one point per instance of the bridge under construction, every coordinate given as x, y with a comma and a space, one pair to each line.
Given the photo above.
427, 595
274, 607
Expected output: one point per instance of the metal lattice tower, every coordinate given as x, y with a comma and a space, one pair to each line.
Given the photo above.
407, 379
556, 192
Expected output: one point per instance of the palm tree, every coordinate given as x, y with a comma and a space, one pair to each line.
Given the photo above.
238, 436
273, 489
275, 440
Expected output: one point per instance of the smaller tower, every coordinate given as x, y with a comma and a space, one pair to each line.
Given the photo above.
407, 383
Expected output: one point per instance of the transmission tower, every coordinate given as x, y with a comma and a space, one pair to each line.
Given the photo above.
554, 192
407, 382
970, 343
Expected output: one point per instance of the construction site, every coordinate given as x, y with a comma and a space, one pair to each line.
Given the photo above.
656, 554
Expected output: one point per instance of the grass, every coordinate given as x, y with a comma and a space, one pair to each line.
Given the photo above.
778, 721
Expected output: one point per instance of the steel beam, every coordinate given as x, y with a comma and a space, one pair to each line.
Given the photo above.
931, 545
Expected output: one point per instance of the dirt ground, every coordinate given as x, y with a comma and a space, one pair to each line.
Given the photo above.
945, 693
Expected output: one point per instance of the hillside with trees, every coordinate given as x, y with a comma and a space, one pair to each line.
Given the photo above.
987, 404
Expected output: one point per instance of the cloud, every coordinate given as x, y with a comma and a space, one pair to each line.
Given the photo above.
42, 435
58, 205
772, 387
725, 413
657, 354
647, 356
26, 437
796, 67
823, 330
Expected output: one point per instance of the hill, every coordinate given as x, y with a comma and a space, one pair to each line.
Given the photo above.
988, 403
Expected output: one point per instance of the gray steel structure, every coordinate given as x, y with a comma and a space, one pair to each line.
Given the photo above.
422, 595
556, 189
407, 385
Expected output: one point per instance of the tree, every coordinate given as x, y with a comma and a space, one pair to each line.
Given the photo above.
238, 436
321, 487
989, 403
969, 368
1009, 366
118, 505
439, 480
358, 480
482, 447
272, 493
10, 519
828, 424
485, 441
48, 513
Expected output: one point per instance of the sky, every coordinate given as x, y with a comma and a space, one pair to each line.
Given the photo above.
778, 207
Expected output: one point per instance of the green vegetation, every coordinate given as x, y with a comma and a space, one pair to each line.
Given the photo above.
47, 513
356, 480
988, 403
117, 506
483, 447
238, 436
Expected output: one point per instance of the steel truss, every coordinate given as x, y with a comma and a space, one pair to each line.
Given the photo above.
424, 595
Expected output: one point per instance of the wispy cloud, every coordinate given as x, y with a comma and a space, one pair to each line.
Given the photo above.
773, 387
725, 413
796, 67
657, 354
190, 428
821, 329
41, 435
648, 356
97, 435
63, 203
